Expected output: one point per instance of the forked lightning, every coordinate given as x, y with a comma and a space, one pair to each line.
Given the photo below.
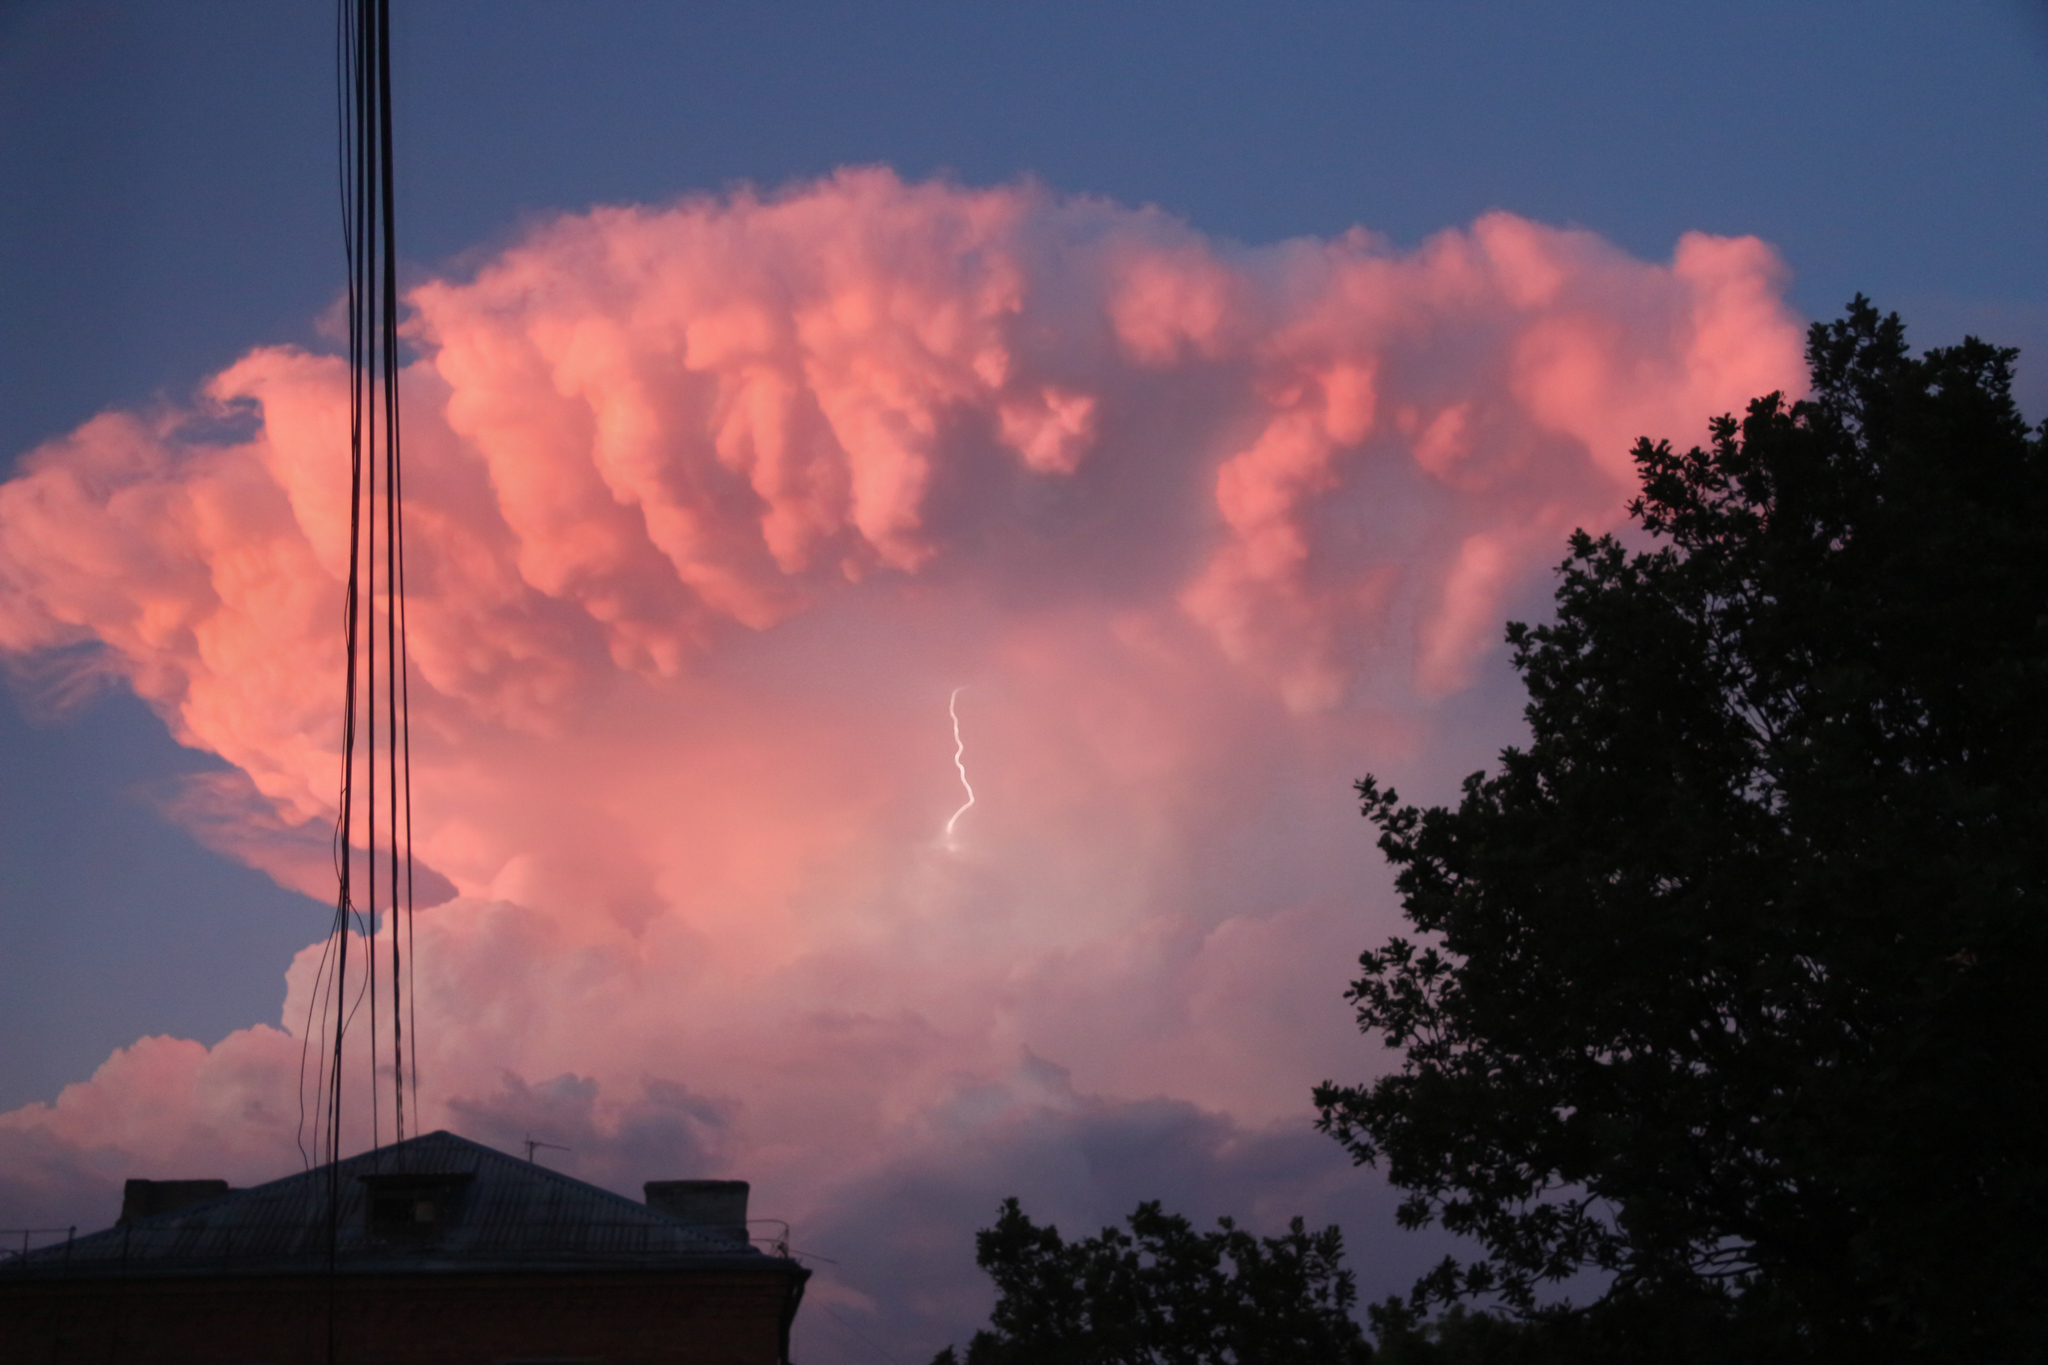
959, 759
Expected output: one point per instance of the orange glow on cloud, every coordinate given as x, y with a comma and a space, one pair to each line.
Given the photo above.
712, 505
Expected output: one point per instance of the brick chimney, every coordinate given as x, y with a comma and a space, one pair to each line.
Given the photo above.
717, 1206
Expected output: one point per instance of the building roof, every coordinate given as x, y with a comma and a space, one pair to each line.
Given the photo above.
489, 1211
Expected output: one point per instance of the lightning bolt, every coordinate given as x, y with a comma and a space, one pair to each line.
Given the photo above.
959, 759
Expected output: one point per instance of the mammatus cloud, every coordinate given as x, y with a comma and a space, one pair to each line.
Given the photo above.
711, 509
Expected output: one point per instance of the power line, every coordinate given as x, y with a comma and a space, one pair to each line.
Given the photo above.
376, 738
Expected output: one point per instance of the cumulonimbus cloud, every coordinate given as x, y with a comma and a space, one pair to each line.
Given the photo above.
712, 506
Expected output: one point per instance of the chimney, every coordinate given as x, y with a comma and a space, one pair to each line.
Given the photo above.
147, 1198
717, 1206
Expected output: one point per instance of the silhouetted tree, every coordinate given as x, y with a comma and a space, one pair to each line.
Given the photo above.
1164, 1294
1731, 988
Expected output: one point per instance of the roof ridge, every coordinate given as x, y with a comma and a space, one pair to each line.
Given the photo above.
512, 1209
349, 1165
560, 1177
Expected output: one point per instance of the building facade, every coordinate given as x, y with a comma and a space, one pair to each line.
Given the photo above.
434, 1251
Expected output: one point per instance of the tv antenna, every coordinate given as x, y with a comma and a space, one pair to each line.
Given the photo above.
534, 1144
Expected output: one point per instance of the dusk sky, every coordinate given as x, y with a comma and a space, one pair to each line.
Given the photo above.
1197, 389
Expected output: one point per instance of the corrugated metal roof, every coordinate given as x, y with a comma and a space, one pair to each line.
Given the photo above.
509, 1213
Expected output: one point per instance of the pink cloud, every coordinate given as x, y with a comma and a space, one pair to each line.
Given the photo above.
712, 506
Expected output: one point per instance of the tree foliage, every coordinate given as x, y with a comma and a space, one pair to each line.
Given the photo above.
1727, 989
1164, 1294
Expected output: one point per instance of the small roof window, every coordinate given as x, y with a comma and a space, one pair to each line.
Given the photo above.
413, 1207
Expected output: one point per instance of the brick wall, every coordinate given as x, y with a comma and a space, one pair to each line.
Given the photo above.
613, 1317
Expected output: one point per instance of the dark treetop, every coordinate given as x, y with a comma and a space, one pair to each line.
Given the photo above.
1164, 1294
1728, 990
